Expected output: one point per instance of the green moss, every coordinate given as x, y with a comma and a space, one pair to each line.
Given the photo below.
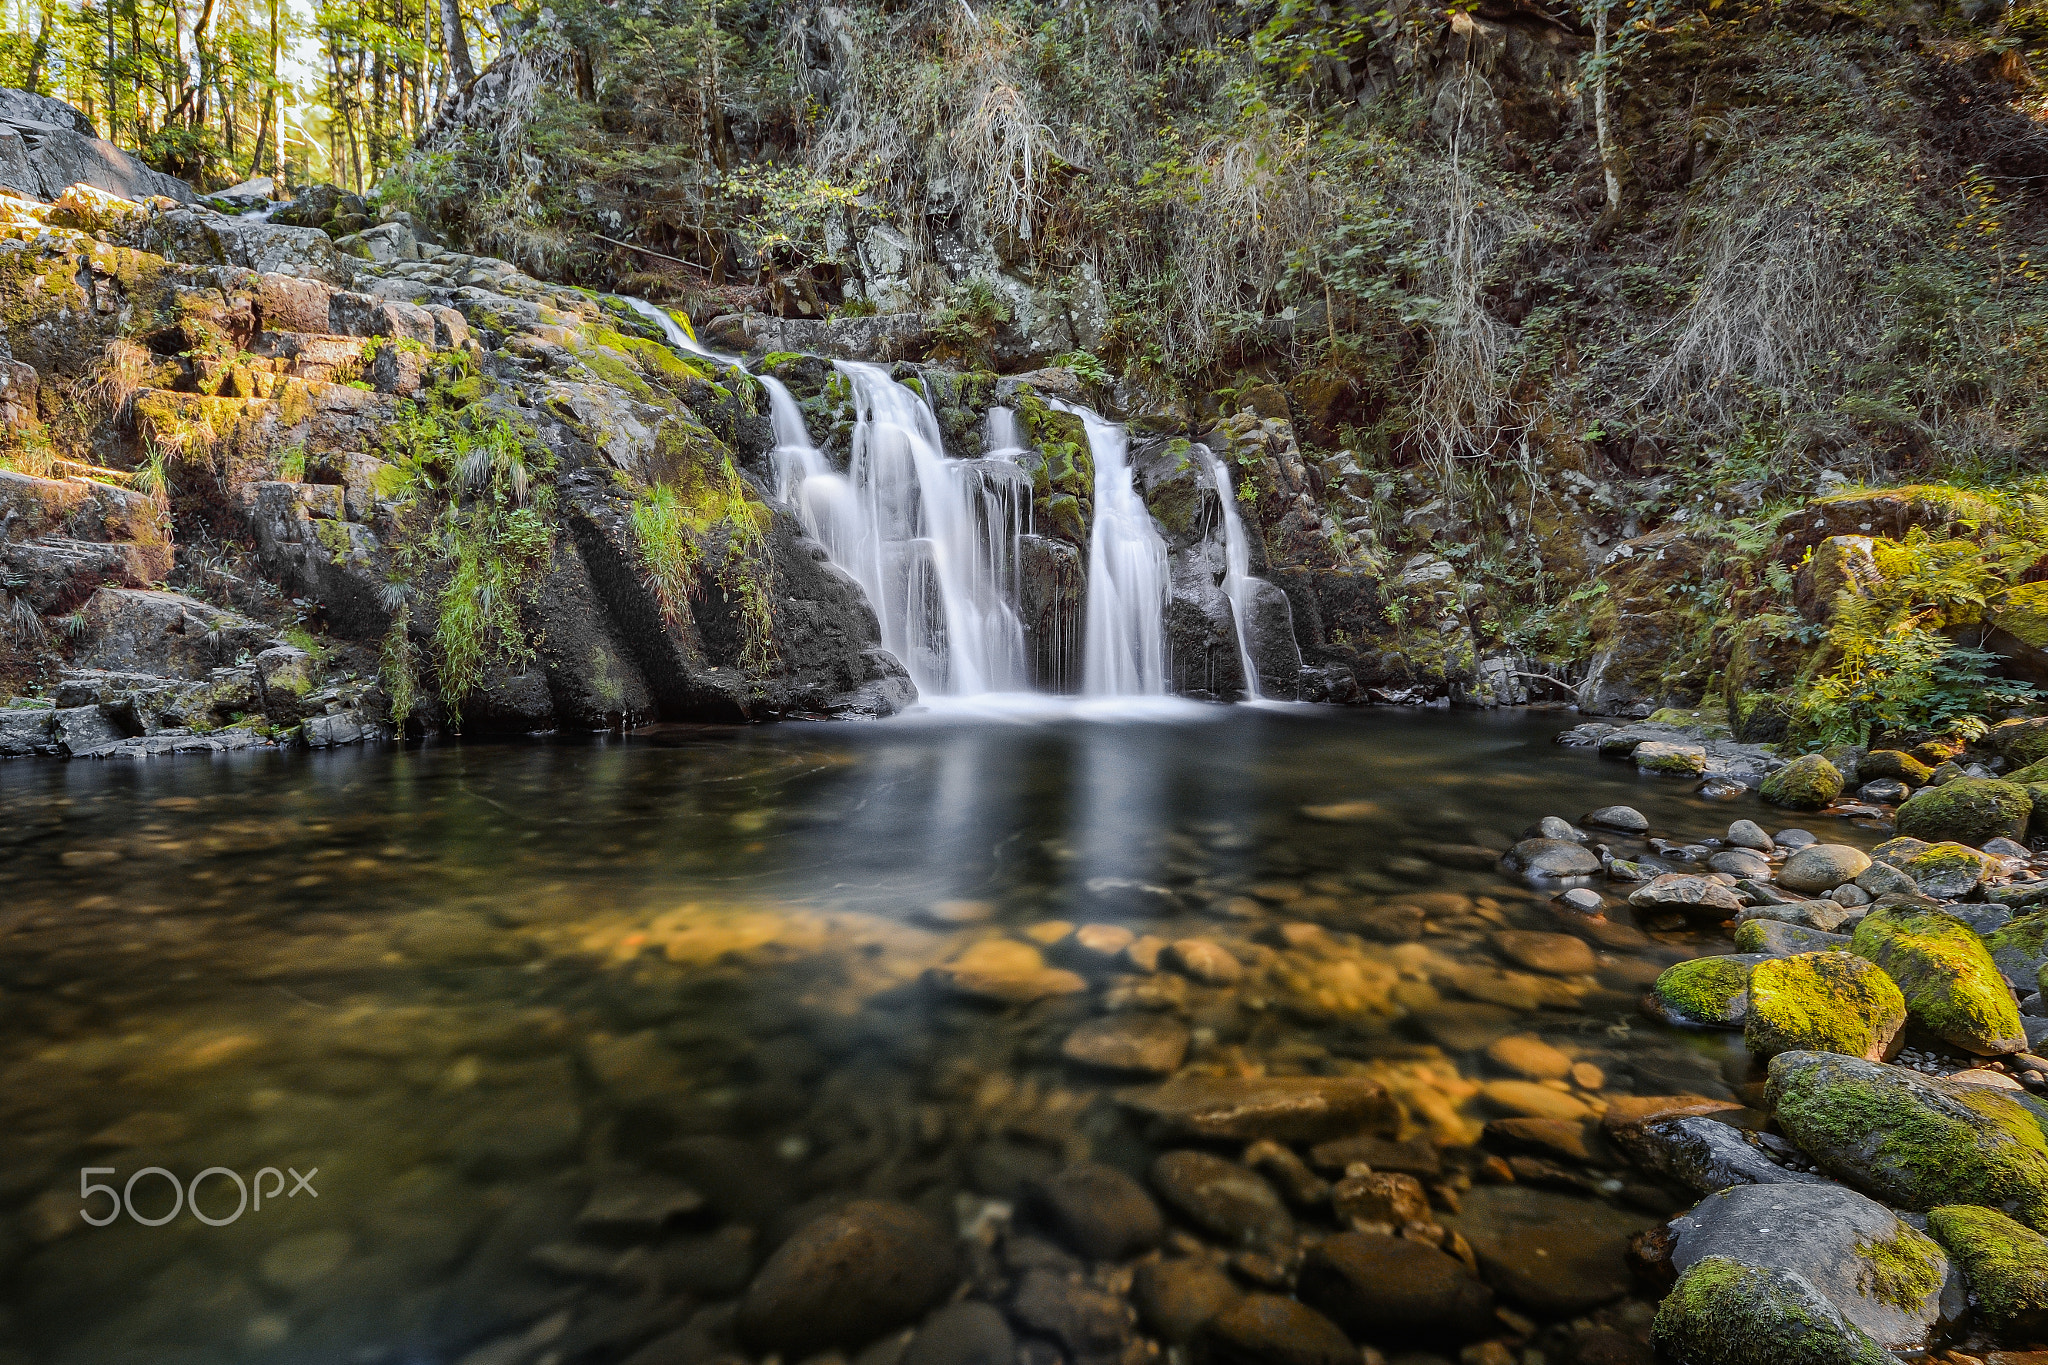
2023, 614
2006, 1265
1891, 1134
1173, 502
1806, 783
1952, 987
1706, 990
1822, 1002
1969, 810
2021, 947
1893, 763
1903, 1270
1735, 1314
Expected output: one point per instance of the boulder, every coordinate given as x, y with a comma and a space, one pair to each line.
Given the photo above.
1891, 1281
1394, 1290
1627, 819
1686, 892
1722, 1312
50, 146
963, 1334
1247, 1108
2006, 1265
1882, 879
1553, 858
1671, 760
1912, 1142
142, 630
1707, 992
1806, 783
1822, 1002
1947, 872
1893, 763
1953, 988
1775, 938
1741, 862
847, 1277
1968, 810
1704, 1154
2020, 949
1822, 867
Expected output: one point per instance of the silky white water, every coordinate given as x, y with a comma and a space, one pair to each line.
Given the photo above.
1124, 636
1237, 578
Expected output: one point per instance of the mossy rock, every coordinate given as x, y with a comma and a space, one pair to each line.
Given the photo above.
1707, 992
2006, 1265
2033, 772
2037, 792
1969, 810
1912, 1142
1822, 1002
1952, 987
1722, 1312
1945, 871
1806, 783
2023, 614
1893, 763
2020, 950
2023, 743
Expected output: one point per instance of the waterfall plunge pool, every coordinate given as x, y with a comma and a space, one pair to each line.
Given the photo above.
576, 1034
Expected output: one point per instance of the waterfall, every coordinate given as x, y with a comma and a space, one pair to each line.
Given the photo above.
1124, 638
1237, 578
1000, 440
678, 335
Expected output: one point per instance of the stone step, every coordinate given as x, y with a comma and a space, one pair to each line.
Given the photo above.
55, 574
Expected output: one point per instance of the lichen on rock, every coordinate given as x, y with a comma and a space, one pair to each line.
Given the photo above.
1968, 810
1722, 1312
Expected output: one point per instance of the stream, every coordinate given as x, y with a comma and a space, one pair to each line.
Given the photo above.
575, 1033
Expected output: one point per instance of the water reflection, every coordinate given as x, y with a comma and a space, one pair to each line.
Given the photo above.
477, 986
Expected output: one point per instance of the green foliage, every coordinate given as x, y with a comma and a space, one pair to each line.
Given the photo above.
965, 328
1087, 367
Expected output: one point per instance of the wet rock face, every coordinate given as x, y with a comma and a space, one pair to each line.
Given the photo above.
848, 1277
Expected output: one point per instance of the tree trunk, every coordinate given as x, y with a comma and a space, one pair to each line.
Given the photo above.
273, 111
1610, 168
40, 51
460, 72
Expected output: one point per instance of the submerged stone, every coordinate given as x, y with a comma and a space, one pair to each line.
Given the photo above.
1247, 1108
847, 1277
1265, 1329
1952, 987
1553, 858
1147, 1044
1393, 1290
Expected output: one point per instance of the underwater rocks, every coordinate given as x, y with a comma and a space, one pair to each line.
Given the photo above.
1283, 1108
848, 1277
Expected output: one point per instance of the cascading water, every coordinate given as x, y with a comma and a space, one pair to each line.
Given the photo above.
1124, 639
1237, 578
934, 541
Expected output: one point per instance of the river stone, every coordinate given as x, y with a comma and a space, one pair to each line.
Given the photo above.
1556, 954
1822, 867
1749, 834
1794, 838
1952, 986
1176, 1299
1890, 1280
1379, 1197
1204, 960
1247, 1108
1005, 971
1740, 862
1686, 892
2020, 948
1265, 1329
1850, 896
1088, 1322
1553, 1253
1704, 1154
1583, 900
299, 1263
1551, 827
1150, 1044
1553, 858
1707, 992
1892, 763
1223, 1198
1775, 938
1822, 1002
637, 1203
1672, 760
1884, 791
963, 1334
1098, 1211
1824, 915
1910, 1141
2006, 1265
1395, 1291
847, 1277
1806, 783
1627, 819
1722, 1312
1527, 1055
1534, 1100
1882, 879
1968, 810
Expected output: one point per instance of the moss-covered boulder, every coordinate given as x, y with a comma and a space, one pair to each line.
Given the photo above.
1969, 810
2022, 742
1952, 986
1909, 1141
1803, 784
1775, 938
1947, 872
2033, 772
2006, 1265
1822, 1002
2020, 950
1707, 992
1671, 760
1722, 1312
1893, 763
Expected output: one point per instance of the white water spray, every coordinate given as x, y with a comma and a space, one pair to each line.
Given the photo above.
1124, 640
